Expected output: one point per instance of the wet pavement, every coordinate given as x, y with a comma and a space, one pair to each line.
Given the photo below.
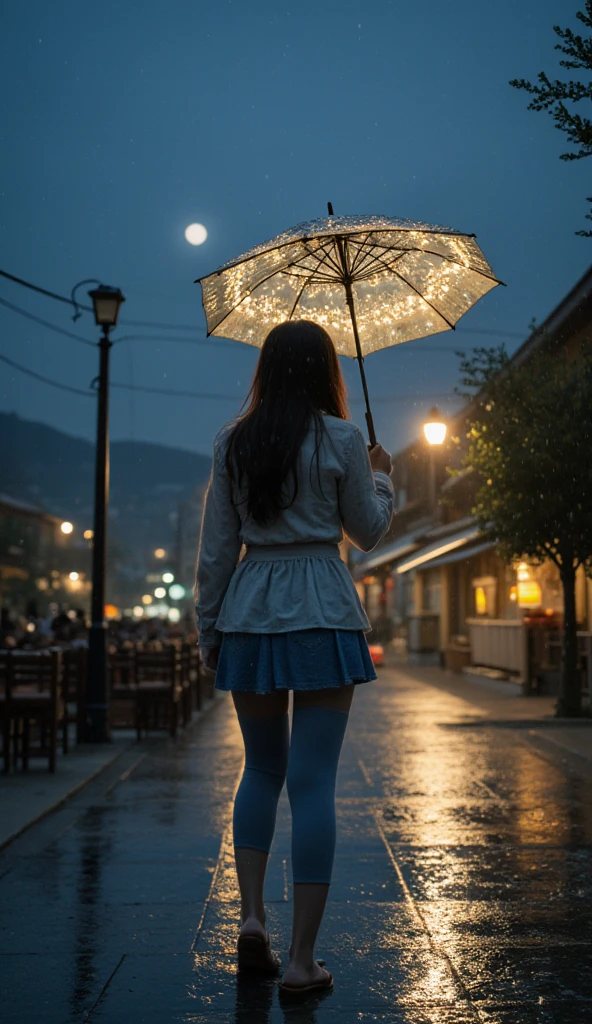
462, 888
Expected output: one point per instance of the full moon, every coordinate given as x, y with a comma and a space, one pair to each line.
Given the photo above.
196, 234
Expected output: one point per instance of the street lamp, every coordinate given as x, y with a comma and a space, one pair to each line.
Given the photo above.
106, 302
435, 434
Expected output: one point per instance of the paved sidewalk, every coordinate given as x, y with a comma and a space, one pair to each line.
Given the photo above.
462, 888
26, 797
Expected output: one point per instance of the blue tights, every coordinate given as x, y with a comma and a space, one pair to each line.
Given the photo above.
307, 760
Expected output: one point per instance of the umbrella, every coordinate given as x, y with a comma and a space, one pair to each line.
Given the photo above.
371, 281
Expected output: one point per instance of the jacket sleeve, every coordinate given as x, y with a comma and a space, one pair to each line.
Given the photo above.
219, 549
365, 498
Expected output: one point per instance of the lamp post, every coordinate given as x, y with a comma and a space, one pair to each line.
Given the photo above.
435, 434
106, 302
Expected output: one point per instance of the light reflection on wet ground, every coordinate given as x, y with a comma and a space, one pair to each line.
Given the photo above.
462, 888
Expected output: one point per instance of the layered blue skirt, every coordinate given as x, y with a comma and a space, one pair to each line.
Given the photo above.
306, 659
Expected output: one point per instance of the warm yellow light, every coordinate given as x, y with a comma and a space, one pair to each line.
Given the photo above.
66, 527
111, 611
160, 553
167, 577
435, 428
88, 535
529, 594
435, 433
174, 615
160, 592
523, 572
146, 598
513, 594
480, 601
138, 611
74, 576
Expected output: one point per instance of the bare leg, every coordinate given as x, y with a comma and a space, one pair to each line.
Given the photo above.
310, 899
251, 864
250, 868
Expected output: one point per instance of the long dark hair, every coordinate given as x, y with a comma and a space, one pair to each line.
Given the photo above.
297, 379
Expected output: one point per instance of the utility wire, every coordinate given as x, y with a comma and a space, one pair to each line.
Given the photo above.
46, 323
198, 342
46, 380
234, 398
191, 327
196, 394
89, 309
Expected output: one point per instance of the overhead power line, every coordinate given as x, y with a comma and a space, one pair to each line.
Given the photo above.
46, 323
46, 380
191, 327
203, 395
89, 309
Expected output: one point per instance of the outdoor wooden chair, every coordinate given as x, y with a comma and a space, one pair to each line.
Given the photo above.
33, 707
5, 721
123, 689
186, 682
160, 691
191, 655
74, 668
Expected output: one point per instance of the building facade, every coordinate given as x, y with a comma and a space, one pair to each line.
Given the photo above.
435, 585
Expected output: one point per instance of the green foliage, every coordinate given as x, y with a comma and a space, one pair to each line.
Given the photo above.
554, 96
530, 442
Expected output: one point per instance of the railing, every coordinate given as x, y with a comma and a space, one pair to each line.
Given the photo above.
524, 650
500, 643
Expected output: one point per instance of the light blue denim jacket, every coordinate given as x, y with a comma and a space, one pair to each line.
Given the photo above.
278, 595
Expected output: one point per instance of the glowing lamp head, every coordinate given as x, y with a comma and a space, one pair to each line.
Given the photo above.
66, 528
106, 302
160, 553
160, 592
74, 576
167, 577
434, 428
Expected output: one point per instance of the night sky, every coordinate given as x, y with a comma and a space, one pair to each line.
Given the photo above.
125, 122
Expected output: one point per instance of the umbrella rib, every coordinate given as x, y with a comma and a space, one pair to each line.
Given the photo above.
246, 296
299, 296
383, 263
360, 253
449, 259
326, 258
427, 301
330, 235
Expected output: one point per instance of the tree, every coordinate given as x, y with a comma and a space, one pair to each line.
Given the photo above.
530, 439
553, 96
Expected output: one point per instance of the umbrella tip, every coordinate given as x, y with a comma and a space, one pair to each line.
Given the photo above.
330, 209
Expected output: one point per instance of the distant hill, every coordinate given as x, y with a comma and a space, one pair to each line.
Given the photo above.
56, 472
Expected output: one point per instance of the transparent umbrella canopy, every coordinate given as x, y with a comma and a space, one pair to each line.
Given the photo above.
371, 281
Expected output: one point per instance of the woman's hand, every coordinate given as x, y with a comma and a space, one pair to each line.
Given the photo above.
380, 460
209, 658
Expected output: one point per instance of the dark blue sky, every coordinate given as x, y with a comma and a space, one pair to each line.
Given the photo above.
126, 122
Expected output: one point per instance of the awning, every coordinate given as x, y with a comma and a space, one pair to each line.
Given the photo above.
462, 553
445, 550
389, 553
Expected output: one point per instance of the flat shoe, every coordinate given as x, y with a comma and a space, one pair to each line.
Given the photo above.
254, 954
300, 992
